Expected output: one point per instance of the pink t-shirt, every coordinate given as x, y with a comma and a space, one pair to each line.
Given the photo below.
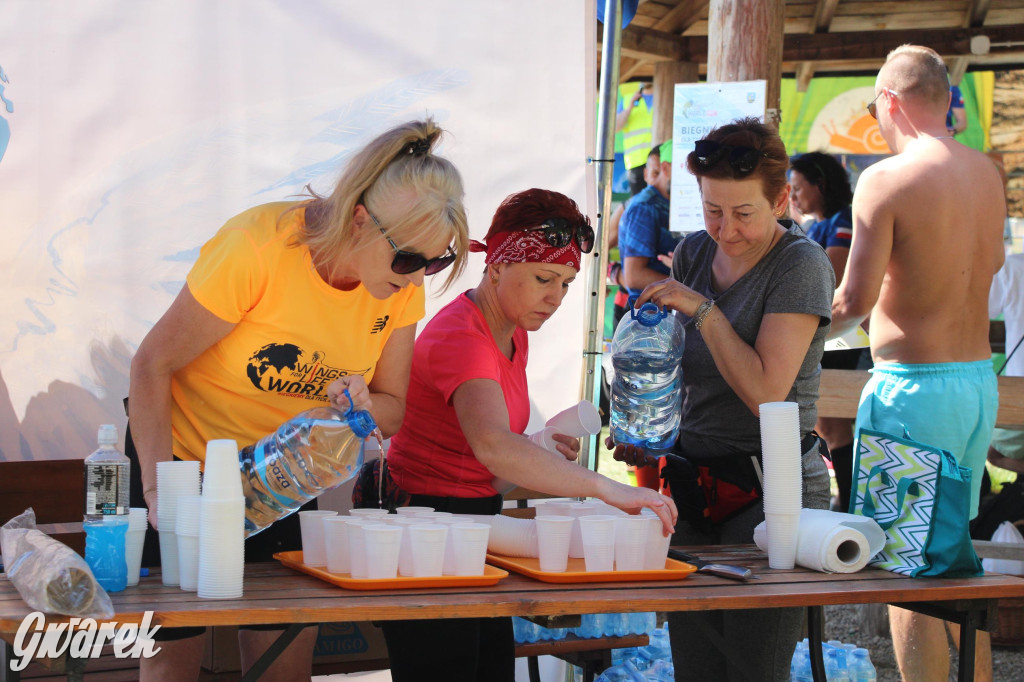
429, 455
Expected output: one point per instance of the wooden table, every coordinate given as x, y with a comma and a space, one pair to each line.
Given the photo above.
275, 594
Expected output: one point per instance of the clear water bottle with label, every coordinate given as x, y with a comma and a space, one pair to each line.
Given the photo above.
309, 454
106, 478
647, 388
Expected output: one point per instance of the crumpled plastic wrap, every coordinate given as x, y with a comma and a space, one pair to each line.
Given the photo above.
50, 576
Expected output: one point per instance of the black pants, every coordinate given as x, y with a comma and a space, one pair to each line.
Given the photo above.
282, 536
451, 650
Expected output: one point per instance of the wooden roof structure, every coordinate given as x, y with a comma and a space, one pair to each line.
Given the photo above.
839, 37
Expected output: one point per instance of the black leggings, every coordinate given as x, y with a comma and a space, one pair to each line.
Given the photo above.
282, 536
451, 650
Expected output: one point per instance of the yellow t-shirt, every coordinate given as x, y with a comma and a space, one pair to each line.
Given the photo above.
294, 333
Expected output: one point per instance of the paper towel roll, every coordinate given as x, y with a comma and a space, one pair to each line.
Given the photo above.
832, 542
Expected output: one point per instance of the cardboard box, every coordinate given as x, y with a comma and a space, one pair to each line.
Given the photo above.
336, 643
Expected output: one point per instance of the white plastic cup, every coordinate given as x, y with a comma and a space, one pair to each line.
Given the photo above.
383, 543
221, 548
554, 508
783, 532
657, 544
403, 511
357, 547
173, 480
188, 562
314, 552
553, 535
631, 534
545, 438
169, 557
367, 513
405, 567
470, 545
598, 538
221, 476
133, 542
582, 419
336, 543
577, 510
427, 543
187, 516
449, 548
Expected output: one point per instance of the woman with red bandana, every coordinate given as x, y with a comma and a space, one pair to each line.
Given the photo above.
467, 408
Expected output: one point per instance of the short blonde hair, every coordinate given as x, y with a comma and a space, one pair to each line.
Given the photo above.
918, 72
395, 161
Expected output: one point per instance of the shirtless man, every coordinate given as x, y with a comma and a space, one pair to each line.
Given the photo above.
927, 240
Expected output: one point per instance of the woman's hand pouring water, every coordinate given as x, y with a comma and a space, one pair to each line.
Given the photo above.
357, 388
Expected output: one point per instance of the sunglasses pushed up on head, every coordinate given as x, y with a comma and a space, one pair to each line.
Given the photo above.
743, 160
408, 262
558, 232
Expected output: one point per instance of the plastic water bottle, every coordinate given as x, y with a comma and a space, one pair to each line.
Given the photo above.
105, 551
106, 478
647, 389
309, 454
861, 668
660, 671
835, 664
658, 649
800, 666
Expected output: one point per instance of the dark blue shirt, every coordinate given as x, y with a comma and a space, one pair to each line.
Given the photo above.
643, 230
834, 231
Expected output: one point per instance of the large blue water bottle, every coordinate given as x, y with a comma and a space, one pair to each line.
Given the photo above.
647, 388
309, 454
105, 551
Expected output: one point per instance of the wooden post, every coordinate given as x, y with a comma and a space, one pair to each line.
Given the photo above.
666, 75
746, 44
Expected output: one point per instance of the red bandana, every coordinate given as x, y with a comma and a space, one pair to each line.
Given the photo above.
527, 247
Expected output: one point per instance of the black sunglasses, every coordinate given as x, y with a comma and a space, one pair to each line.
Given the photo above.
872, 106
743, 160
408, 262
558, 232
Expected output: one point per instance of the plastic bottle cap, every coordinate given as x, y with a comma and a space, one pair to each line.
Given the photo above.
361, 422
107, 435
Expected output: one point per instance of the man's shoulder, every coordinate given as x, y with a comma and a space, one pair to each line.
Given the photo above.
644, 207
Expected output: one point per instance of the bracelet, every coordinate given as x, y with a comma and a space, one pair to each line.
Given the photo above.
702, 312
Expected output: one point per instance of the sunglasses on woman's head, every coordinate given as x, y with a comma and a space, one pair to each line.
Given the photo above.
558, 232
408, 262
743, 160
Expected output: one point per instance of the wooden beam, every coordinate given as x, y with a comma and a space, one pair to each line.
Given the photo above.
650, 45
666, 75
957, 69
823, 13
682, 16
804, 74
978, 11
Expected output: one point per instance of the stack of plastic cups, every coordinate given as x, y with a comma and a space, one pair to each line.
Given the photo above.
189, 508
134, 541
173, 479
383, 544
783, 480
545, 438
311, 529
221, 524
577, 510
336, 543
469, 541
631, 534
553, 536
427, 542
598, 537
657, 542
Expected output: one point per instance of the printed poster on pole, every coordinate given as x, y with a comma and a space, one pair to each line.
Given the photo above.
698, 108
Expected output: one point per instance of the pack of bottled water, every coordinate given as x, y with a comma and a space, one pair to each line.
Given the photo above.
592, 625
651, 663
844, 662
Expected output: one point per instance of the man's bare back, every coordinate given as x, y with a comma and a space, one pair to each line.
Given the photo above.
940, 207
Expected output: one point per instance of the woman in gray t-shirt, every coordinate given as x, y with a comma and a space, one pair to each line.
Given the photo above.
756, 299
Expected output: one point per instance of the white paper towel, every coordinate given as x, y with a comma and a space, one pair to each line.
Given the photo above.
832, 542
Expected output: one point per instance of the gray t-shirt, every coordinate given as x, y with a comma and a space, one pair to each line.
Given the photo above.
794, 277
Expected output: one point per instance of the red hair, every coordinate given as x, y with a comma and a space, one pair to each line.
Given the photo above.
530, 208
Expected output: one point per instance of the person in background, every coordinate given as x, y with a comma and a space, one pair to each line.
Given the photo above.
755, 295
956, 115
921, 264
820, 188
1006, 298
467, 410
335, 277
634, 119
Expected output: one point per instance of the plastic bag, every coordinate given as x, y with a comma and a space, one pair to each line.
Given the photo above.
48, 574
1008, 533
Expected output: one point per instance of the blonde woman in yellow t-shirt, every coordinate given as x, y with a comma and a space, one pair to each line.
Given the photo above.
288, 305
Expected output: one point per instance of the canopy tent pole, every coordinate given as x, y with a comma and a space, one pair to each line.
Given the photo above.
605, 156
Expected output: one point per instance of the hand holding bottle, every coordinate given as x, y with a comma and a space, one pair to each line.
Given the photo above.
358, 397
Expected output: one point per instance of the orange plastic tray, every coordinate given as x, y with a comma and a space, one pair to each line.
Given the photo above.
576, 573
491, 576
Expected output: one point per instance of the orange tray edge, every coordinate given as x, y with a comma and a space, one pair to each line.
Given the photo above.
293, 560
674, 570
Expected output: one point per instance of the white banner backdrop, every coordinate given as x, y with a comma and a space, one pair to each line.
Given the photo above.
134, 130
